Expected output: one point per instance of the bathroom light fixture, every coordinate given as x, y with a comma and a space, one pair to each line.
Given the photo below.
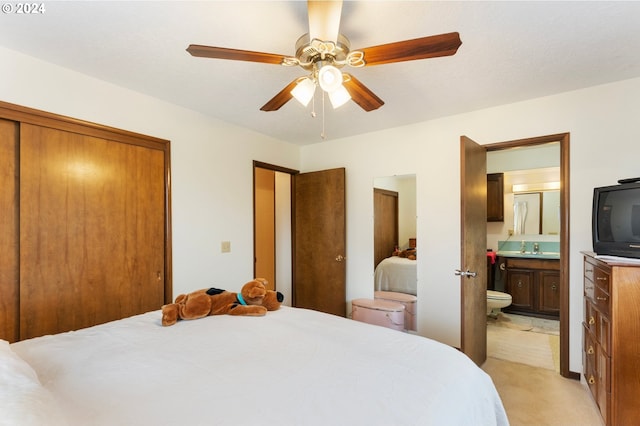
535, 187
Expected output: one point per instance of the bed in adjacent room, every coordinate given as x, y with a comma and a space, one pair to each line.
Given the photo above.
397, 274
291, 367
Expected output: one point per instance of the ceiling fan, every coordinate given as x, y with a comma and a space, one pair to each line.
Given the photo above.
324, 51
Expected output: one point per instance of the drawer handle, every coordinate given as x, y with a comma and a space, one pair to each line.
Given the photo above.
592, 320
601, 298
589, 270
590, 351
591, 380
601, 278
519, 284
554, 287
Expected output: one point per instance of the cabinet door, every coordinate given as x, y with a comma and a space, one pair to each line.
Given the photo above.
495, 197
520, 287
549, 292
91, 230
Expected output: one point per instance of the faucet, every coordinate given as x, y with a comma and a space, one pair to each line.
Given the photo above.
536, 248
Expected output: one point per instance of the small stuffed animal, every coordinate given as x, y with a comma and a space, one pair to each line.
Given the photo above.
253, 300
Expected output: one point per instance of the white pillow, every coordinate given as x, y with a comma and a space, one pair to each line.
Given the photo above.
23, 399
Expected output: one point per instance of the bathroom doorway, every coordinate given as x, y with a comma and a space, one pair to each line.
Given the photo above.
535, 148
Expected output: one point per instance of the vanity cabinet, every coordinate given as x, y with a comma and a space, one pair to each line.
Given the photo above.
534, 286
611, 338
495, 197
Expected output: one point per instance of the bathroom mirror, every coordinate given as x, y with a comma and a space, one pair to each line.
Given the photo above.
536, 213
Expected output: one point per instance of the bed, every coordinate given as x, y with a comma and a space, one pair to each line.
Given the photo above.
396, 274
291, 367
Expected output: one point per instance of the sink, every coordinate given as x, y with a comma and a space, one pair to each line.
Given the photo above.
530, 255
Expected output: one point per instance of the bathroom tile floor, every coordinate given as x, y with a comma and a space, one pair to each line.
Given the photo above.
527, 340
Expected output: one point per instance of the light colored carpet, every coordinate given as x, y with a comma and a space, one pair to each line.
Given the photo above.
540, 397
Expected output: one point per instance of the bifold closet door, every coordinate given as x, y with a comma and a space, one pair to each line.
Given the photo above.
91, 230
8, 231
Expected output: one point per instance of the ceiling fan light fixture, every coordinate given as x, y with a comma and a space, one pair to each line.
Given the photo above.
329, 78
339, 97
304, 90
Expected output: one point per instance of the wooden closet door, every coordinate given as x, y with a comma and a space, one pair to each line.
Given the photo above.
91, 230
8, 231
385, 224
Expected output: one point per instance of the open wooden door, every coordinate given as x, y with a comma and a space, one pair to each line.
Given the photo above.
473, 268
385, 224
319, 280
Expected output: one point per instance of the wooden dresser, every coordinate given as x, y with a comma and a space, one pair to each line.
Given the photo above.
611, 339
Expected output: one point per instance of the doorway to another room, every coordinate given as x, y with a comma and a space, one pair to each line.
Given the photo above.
529, 257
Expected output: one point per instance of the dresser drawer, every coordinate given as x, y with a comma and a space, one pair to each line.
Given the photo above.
589, 353
590, 317
603, 332
603, 301
589, 269
602, 279
589, 289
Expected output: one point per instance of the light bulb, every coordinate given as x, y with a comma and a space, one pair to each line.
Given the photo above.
304, 90
339, 97
330, 78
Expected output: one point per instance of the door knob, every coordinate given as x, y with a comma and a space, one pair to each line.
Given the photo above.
466, 273
340, 258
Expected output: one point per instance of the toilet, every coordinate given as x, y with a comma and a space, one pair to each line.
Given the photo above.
497, 300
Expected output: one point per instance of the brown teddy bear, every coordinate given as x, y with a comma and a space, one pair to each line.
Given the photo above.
253, 300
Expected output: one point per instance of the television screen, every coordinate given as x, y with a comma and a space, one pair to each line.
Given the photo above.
619, 216
616, 220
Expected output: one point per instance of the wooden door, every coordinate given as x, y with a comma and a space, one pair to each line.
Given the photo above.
264, 221
473, 181
320, 241
385, 224
92, 230
9, 284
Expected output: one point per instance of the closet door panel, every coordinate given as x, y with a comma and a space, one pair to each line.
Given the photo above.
8, 231
92, 230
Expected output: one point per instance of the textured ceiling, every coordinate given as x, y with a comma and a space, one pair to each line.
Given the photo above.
511, 51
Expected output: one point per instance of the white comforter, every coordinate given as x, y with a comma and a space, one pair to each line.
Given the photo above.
291, 367
397, 274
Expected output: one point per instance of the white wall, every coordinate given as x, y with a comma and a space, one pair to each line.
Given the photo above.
604, 146
211, 163
212, 176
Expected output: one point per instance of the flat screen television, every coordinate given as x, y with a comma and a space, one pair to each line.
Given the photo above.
616, 220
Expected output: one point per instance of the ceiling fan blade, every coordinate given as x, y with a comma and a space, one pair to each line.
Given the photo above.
410, 50
361, 94
324, 19
234, 54
281, 98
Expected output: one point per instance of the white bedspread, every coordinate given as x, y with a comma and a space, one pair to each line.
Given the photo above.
291, 367
396, 274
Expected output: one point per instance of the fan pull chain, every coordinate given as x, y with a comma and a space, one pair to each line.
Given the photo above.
313, 105
322, 135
